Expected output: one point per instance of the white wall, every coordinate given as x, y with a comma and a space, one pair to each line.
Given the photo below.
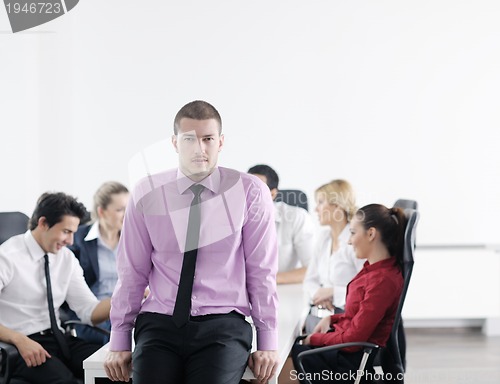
399, 97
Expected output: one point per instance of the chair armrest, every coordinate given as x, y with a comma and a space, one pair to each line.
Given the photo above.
368, 349
8, 355
69, 324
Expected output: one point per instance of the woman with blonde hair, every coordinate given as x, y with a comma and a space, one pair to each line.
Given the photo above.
334, 262
95, 247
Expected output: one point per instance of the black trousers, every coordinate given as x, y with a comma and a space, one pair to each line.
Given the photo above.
332, 366
56, 370
211, 349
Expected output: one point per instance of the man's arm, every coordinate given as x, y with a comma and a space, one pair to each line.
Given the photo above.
32, 352
101, 311
261, 258
295, 276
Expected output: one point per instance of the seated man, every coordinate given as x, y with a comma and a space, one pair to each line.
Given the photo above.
37, 274
294, 228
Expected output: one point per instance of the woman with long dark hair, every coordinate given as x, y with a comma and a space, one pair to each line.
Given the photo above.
377, 235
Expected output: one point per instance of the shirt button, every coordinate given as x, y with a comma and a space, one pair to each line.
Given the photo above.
195, 311
194, 297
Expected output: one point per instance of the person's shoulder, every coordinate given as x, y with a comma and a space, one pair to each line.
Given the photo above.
388, 275
232, 176
151, 182
83, 230
13, 243
291, 213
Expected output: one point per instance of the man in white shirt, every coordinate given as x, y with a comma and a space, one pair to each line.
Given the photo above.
28, 317
295, 230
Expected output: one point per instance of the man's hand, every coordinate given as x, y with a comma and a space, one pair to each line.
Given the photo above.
263, 364
32, 352
118, 365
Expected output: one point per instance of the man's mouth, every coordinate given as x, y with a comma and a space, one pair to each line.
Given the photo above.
200, 160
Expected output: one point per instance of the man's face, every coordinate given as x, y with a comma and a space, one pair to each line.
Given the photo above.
198, 144
59, 235
273, 191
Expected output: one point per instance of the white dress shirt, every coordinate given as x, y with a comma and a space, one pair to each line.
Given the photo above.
336, 269
296, 231
23, 289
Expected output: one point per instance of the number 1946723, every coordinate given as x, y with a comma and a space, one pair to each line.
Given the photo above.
34, 8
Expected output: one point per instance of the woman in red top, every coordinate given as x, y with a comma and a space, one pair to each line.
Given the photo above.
377, 234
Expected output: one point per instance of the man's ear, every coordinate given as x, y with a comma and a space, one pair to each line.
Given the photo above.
42, 223
221, 141
174, 143
274, 193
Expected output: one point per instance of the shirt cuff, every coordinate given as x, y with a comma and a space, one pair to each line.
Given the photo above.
267, 340
120, 341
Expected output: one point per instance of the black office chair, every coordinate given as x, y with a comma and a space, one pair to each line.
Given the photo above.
293, 197
389, 356
406, 204
11, 224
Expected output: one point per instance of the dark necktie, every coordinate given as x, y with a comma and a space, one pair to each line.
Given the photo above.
182, 307
53, 322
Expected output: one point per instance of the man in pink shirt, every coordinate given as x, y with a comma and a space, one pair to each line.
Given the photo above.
202, 234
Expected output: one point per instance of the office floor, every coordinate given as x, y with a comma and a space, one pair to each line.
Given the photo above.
452, 356
449, 356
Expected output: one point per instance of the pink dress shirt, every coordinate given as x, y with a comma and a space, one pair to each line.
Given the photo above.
237, 252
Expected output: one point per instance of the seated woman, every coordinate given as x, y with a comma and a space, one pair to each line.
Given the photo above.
95, 247
377, 235
334, 263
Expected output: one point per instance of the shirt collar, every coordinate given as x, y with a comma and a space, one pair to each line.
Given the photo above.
211, 182
345, 234
35, 250
391, 261
93, 232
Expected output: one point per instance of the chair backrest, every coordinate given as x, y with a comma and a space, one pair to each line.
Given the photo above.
11, 224
293, 197
406, 204
392, 359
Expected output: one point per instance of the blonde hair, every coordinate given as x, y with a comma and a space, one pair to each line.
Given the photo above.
340, 192
103, 195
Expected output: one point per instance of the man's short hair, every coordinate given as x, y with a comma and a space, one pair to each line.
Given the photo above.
53, 206
270, 174
197, 110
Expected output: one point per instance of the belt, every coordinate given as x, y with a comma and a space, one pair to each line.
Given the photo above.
217, 315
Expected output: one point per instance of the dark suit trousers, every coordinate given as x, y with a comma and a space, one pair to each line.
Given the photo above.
56, 370
328, 367
211, 349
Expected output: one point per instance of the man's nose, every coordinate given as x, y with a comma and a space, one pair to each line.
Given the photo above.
69, 239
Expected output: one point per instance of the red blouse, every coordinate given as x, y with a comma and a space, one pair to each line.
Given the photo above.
371, 304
